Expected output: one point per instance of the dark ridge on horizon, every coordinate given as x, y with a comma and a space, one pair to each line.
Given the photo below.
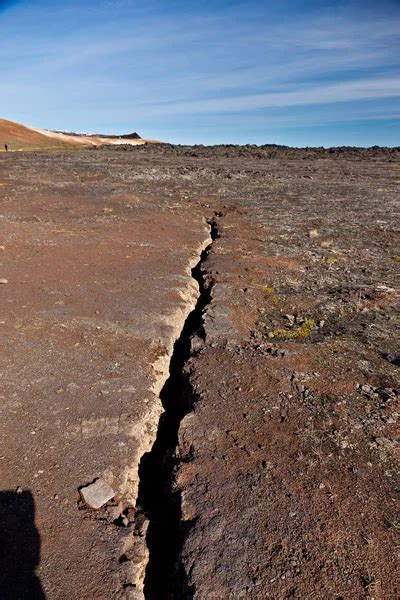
125, 136
264, 151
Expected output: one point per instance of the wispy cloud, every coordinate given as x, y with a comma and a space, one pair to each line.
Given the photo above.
326, 94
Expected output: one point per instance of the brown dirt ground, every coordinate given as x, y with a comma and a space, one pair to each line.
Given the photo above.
287, 465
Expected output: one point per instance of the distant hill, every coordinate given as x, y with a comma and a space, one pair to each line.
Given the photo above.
22, 137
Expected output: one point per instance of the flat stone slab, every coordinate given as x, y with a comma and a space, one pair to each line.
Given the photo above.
97, 494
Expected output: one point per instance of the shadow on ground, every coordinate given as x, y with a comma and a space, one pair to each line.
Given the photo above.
19, 547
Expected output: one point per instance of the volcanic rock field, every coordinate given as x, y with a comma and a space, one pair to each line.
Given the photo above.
199, 373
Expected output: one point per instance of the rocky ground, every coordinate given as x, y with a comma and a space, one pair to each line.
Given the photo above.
271, 472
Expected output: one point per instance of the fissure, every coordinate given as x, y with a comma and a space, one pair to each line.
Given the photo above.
157, 499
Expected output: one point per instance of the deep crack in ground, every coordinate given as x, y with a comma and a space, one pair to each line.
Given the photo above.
157, 498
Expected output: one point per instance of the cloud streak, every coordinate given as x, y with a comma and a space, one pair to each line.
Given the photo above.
328, 94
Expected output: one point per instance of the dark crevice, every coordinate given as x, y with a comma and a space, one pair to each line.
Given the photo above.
157, 498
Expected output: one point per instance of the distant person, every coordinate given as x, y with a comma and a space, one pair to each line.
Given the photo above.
6, 147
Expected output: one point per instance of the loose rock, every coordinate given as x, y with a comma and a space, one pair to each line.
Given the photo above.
97, 494
393, 357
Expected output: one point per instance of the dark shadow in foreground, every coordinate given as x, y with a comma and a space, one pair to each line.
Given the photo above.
19, 548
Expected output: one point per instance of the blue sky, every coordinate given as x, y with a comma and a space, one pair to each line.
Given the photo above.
297, 72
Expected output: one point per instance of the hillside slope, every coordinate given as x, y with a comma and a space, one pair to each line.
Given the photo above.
23, 137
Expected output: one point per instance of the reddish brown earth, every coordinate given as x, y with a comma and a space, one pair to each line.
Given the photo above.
19, 138
98, 288
285, 478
